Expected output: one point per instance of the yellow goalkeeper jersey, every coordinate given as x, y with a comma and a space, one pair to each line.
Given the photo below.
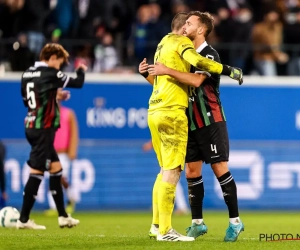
176, 52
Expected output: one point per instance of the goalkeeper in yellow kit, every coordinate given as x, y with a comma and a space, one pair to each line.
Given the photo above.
168, 122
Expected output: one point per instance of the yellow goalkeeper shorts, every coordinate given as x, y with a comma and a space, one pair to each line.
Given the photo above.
169, 132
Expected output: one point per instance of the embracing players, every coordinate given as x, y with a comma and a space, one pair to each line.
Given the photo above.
207, 137
168, 122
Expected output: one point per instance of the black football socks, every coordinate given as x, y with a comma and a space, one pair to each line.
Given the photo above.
29, 195
196, 195
57, 192
228, 187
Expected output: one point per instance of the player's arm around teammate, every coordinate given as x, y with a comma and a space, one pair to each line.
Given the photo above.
150, 71
191, 79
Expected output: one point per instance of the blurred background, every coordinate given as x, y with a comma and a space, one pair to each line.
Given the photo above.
111, 169
260, 36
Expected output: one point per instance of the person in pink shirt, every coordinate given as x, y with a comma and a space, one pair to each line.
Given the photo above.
65, 144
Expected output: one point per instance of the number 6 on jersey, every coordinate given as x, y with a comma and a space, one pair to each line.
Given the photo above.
30, 95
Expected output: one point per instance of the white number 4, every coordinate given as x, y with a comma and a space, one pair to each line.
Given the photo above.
30, 95
213, 148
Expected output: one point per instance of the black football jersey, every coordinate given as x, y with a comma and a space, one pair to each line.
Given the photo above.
39, 88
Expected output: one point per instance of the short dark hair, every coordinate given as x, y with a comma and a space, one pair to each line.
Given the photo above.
204, 18
178, 21
51, 49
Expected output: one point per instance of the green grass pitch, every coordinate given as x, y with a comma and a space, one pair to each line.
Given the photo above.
130, 231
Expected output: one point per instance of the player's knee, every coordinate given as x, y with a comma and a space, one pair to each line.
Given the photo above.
192, 171
55, 167
172, 176
220, 168
36, 172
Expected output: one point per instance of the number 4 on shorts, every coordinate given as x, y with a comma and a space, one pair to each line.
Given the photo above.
213, 147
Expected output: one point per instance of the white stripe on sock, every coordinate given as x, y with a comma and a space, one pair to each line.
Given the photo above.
195, 183
226, 181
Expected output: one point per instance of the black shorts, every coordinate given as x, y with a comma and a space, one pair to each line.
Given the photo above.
42, 149
209, 144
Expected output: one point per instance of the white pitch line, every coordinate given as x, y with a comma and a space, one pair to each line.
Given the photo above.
95, 235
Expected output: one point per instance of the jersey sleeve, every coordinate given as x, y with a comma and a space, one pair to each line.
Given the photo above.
184, 45
213, 55
201, 62
62, 80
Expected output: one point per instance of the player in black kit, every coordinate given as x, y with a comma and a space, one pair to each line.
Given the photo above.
40, 85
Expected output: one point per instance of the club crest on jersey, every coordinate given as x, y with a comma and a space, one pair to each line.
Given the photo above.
60, 74
48, 163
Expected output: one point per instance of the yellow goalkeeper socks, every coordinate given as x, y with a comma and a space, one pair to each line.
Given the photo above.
166, 197
155, 218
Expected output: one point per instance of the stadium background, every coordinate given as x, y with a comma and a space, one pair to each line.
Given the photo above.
112, 171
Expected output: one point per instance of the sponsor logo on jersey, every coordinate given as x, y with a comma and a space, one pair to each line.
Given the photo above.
30, 118
155, 101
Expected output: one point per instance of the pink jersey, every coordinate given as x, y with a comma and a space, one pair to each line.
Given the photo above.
62, 136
